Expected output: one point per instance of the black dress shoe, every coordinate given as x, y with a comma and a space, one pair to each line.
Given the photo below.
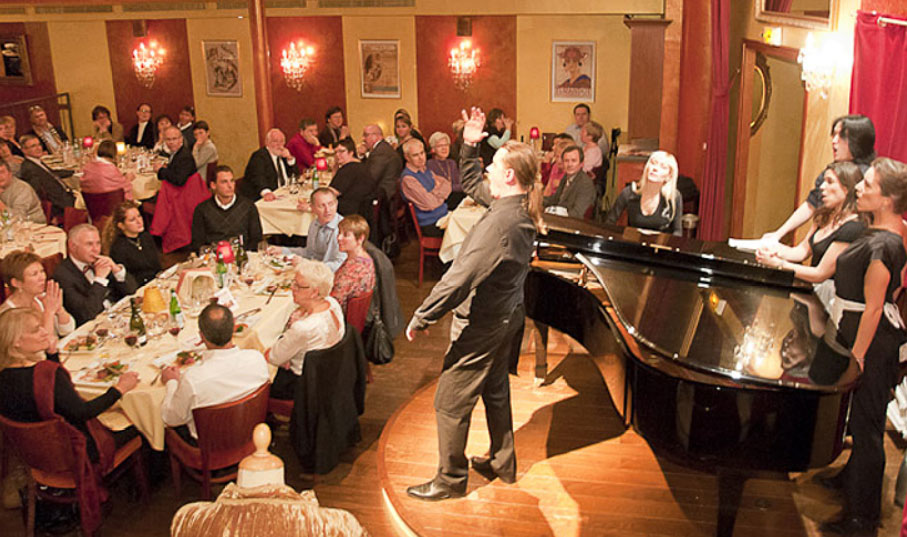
851, 526
434, 490
482, 465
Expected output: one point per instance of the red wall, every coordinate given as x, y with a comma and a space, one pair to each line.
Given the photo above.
172, 87
885, 7
42, 71
494, 85
695, 90
325, 85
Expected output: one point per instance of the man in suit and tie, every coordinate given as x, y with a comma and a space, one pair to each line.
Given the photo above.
181, 163
143, 133
266, 165
48, 184
383, 162
90, 281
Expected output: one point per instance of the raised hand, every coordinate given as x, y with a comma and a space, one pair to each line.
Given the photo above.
474, 125
508, 123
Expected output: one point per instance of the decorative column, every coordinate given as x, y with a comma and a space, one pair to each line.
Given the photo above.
261, 62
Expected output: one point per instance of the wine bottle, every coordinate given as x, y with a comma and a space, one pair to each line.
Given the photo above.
136, 324
241, 256
176, 313
221, 271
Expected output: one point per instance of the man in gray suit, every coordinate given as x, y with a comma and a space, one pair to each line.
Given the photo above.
576, 191
383, 162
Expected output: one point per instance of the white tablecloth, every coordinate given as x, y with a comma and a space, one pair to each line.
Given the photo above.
281, 217
46, 241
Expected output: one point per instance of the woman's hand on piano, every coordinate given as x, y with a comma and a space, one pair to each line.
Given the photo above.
769, 258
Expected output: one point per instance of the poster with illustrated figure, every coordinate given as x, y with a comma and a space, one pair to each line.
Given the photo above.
573, 71
379, 69
222, 68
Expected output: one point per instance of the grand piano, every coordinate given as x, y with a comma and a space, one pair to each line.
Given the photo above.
717, 361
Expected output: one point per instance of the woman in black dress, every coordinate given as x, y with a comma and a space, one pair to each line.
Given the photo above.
654, 202
835, 225
354, 186
130, 245
868, 273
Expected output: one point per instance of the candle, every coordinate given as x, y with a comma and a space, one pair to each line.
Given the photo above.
87, 142
321, 164
121, 148
223, 247
534, 133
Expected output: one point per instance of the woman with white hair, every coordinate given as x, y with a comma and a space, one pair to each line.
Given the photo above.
442, 164
317, 323
654, 202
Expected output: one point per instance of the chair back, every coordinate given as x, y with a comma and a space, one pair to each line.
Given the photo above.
42, 445
209, 171
73, 217
101, 205
225, 430
357, 310
48, 210
412, 213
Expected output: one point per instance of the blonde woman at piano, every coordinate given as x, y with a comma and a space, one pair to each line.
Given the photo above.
835, 225
654, 202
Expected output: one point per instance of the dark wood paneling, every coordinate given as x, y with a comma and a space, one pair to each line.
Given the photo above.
494, 85
172, 88
325, 85
42, 72
647, 55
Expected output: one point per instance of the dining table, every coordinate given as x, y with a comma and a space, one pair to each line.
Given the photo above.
261, 302
145, 183
456, 225
282, 216
44, 240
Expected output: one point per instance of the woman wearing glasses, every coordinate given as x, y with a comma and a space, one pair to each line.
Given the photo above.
353, 184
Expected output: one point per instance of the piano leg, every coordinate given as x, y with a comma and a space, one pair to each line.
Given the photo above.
540, 335
730, 490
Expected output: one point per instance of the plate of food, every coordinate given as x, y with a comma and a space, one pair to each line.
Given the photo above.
81, 344
178, 359
281, 263
240, 329
102, 373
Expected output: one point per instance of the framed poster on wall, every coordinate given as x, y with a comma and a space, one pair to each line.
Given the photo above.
573, 71
222, 78
379, 69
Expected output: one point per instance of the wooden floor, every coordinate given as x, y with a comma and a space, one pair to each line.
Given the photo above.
579, 473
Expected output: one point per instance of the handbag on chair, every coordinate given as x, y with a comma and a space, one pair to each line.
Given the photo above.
379, 344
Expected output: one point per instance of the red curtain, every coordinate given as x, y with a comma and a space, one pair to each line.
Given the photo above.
878, 86
713, 176
780, 6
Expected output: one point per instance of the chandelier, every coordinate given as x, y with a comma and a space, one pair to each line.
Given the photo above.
463, 62
295, 62
819, 62
145, 62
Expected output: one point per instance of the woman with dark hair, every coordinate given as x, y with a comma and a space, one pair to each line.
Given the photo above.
353, 184
867, 274
102, 175
127, 242
334, 129
102, 127
852, 140
835, 225
404, 130
204, 151
498, 127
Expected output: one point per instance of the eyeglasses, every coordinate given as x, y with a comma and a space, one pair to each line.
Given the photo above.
295, 285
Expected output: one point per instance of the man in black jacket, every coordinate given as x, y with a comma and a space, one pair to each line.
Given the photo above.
48, 184
383, 161
90, 281
181, 164
266, 165
144, 132
225, 214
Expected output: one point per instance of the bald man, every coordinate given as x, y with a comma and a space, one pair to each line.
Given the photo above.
180, 163
383, 162
266, 165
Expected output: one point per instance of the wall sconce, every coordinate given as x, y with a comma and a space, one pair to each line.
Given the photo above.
463, 62
819, 61
146, 61
295, 62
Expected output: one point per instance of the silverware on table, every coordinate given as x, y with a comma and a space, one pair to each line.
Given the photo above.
247, 314
271, 296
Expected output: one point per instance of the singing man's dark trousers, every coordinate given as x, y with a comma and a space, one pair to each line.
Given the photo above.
476, 365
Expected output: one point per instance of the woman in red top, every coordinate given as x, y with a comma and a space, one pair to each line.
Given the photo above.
356, 276
102, 175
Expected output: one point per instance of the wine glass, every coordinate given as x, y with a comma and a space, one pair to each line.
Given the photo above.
174, 328
102, 330
132, 338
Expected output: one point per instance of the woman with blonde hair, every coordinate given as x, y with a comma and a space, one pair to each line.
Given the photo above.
24, 273
128, 244
654, 201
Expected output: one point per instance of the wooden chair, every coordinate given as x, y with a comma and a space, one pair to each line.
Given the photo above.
47, 451
101, 206
357, 310
428, 246
224, 438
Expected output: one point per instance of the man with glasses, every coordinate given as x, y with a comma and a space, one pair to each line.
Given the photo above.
383, 162
48, 184
269, 167
181, 164
143, 133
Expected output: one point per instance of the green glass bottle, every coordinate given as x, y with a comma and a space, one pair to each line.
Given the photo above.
176, 313
240, 255
220, 271
136, 324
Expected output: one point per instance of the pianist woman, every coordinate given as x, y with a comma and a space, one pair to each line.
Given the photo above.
654, 202
867, 274
835, 225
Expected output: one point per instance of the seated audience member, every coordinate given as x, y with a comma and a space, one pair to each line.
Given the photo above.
498, 126
48, 184
581, 117
8, 135
51, 138
356, 276
836, 224
654, 202
317, 323
321, 243
203, 150
590, 134
14, 162
128, 244
104, 128
90, 281
162, 123
334, 128
427, 192
552, 168
225, 374
186, 124
268, 167
225, 214
144, 132
383, 162
180, 164
18, 197
25, 370
25, 275
304, 144
576, 192
405, 131
442, 164
102, 175
353, 183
